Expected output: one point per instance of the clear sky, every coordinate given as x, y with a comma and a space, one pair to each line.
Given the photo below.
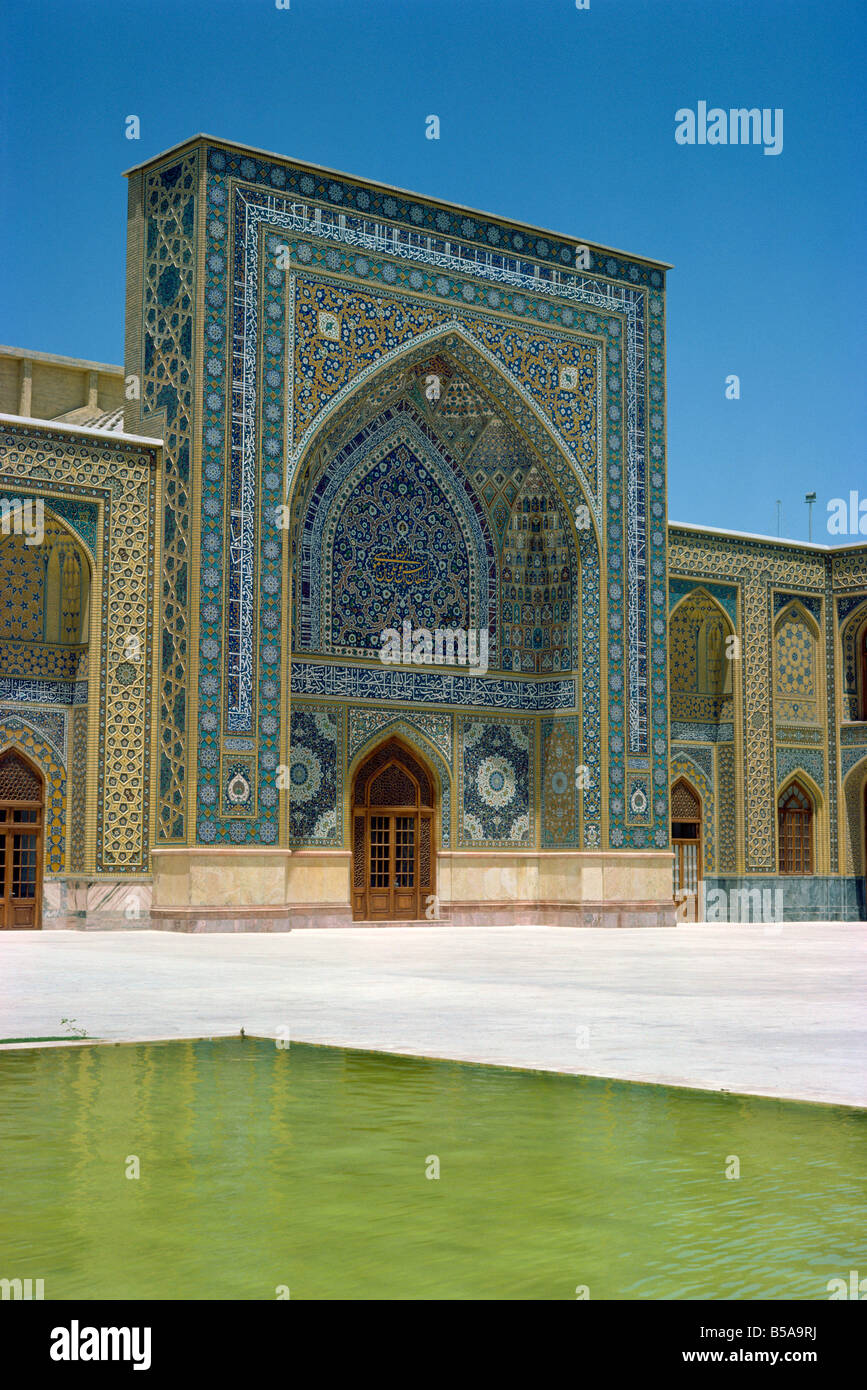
561, 117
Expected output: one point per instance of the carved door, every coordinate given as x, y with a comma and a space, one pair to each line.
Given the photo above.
21, 826
392, 838
686, 841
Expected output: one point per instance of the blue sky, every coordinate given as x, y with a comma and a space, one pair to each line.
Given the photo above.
560, 117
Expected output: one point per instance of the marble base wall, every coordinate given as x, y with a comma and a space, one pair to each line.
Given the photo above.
551, 880
103, 904
473, 889
227, 890
786, 898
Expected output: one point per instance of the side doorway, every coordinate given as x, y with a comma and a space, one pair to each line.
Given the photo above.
22, 819
392, 837
686, 842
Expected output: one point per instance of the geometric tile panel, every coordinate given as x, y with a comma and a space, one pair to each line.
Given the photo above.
560, 790
810, 760
365, 722
315, 775
495, 776
167, 394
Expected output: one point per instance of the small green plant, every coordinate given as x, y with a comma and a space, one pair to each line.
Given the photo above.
73, 1028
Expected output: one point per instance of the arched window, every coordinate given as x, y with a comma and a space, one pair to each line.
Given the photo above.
796, 831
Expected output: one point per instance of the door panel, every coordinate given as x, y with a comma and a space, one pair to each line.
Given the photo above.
405, 897
391, 889
379, 882
23, 886
20, 878
687, 874
4, 865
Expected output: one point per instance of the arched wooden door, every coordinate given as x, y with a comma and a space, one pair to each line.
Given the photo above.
22, 811
686, 840
392, 837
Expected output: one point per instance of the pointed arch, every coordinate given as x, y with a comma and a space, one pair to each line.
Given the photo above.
21, 777
353, 411
22, 817
527, 416
44, 605
686, 799
15, 735
795, 608
706, 595
414, 740
62, 524
808, 784
356, 510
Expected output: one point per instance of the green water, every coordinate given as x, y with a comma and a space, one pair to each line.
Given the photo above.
306, 1168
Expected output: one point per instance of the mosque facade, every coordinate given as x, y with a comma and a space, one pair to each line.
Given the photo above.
352, 594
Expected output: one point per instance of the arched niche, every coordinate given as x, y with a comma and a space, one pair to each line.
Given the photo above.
853, 651
698, 630
798, 683
46, 586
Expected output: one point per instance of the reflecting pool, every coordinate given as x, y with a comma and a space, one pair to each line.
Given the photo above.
314, 1170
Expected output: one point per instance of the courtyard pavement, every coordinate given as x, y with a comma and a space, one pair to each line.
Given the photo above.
773, 1011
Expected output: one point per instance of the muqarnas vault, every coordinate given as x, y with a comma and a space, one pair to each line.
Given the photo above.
347, 410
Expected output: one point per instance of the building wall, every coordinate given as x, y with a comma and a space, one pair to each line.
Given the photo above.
81, 703
792, 615
368, 406
44, 386
246, 273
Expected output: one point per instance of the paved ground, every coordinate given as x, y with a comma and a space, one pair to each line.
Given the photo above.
769, 1011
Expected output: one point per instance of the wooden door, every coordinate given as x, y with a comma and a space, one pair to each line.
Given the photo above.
21, 831
392, 838
686, 841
